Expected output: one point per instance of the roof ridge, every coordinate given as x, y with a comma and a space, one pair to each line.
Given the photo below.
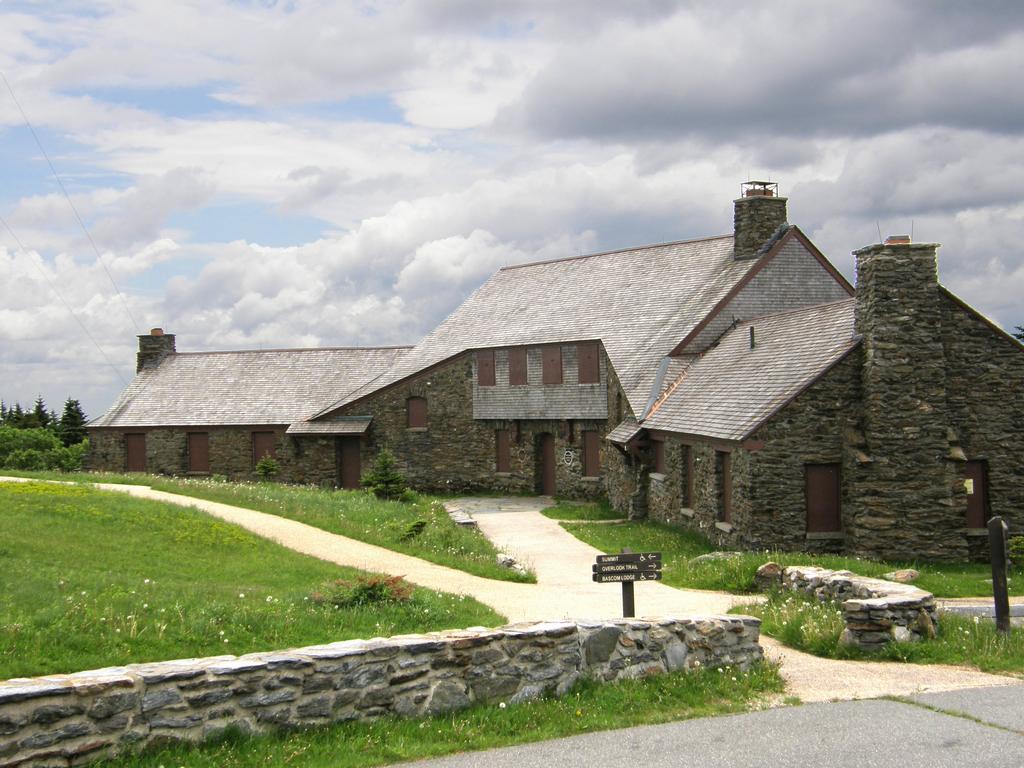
613, 252
291, 349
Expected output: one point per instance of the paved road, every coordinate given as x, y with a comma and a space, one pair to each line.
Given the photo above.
973, 730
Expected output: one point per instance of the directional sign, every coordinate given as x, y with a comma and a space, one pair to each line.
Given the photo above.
631, 557
602, 578
625, 567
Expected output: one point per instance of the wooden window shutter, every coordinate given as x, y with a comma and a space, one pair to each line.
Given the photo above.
416, 408
659, 456
135, 447
517, 366
552, 370
687, 480
591, 454
502, 451
723, 465
485, 367
822, 489
198, 452
588, 361
262, 445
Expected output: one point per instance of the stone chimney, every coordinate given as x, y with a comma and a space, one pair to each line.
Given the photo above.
907, 498
153, 347
757, 215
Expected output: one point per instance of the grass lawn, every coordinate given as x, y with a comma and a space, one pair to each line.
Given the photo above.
807, 624
355, 514
588, 707
94, 579
576, 510
736, 574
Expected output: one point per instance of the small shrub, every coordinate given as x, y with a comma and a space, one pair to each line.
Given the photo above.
366, 590
267, 468
409, 496
68, 459
384, 480
414, 529
1017, 552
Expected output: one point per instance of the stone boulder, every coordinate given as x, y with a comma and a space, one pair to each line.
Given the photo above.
768, 577
903, 576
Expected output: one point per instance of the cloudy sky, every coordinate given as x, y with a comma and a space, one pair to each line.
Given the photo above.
273, 174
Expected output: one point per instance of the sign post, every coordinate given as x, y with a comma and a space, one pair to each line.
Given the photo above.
626, 569
997, 542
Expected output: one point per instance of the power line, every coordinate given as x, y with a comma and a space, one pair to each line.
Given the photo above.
46, 277
67, 197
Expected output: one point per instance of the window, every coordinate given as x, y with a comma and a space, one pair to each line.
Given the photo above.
485, 367
618, 407
686, 481
502, 451
723, 481
588, 361
198, 452
552, 364
821, 488
591, 454
262, 445
416, 411
135, 447
517, 366
659, 456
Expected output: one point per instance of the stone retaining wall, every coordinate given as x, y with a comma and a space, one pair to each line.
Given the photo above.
64, 720
876, 611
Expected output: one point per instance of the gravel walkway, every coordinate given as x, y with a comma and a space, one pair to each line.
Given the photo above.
565, 589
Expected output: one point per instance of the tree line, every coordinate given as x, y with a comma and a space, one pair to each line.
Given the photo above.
39, 439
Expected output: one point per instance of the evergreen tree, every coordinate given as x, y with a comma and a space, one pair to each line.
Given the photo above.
1019, 333
16, 417
40, 416
3, 413
71, 428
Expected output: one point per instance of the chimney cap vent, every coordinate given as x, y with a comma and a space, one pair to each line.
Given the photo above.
156, 332
897, 240
759, 189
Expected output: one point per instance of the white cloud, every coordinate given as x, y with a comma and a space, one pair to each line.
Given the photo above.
532, 130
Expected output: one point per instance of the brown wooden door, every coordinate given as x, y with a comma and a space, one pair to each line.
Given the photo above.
135, 446
547, 464
198, 452
262, 445
503, 451
976, 476
591, 454
821, 482
350, 470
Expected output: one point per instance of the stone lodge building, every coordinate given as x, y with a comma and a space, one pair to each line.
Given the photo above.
734, 384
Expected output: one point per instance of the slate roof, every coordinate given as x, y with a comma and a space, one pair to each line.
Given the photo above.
624, 432
251, 387
357, 426
731, 389
639, 302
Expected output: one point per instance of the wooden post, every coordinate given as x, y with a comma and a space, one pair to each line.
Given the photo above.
997, 542
628, 601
